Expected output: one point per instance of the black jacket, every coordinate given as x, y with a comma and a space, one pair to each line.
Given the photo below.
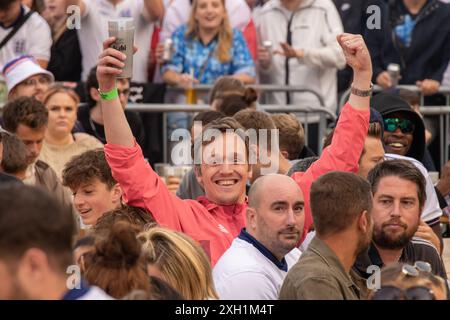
387, 103
429, 51
97, 130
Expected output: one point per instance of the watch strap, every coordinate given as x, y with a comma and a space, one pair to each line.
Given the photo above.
362, 93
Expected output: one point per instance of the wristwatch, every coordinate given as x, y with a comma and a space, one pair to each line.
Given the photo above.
362, 93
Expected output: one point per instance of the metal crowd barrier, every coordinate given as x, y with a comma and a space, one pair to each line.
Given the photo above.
264, 88
442, 90
322, 112
444, 127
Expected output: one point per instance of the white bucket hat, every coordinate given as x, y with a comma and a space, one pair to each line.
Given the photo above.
20, 69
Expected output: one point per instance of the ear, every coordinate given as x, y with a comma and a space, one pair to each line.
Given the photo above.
116, 192
33, 270
198, 175
364, 222
285, 154
94, 94
251, 218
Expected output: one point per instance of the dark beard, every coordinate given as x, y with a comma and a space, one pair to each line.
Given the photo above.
383, 240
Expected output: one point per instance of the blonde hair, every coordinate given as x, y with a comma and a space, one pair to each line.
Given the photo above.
59, 88
225, 36
181, 261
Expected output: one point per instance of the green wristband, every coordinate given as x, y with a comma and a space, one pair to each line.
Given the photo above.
110, 95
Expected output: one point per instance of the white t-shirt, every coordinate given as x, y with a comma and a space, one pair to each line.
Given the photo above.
178, 11
33, 38
94, 30
431, 212
245, 273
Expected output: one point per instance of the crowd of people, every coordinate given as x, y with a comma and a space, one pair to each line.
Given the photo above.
262, 214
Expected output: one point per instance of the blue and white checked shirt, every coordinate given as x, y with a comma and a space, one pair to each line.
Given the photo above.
191, 53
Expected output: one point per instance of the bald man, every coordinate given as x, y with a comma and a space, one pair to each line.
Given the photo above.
257, 262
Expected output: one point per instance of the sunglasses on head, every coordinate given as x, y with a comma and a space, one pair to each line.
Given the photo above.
413, 293
405, 125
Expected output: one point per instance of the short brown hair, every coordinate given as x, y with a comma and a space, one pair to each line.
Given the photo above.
222, 125
14, 158
402, 169
31, 218
292, 135
86, 167
116, 264
206, 117
374, 131
337, 199
26, 111
138, 217
224, 86
258, 120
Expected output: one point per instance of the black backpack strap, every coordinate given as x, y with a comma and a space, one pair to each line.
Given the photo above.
16, 28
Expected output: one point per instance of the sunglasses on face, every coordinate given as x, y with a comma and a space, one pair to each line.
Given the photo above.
413, 293
405, 125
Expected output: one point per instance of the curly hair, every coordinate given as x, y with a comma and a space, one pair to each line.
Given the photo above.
86, 167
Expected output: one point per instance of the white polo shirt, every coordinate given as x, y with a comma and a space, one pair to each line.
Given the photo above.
248, 271
33, 38
94, 30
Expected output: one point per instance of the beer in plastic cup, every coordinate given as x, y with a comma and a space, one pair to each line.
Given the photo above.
123, 30
191, 94
167, 54
394, 73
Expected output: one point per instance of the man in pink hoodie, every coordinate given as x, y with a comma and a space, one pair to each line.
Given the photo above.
217, 218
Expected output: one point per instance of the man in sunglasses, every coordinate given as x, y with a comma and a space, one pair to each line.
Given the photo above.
404, 131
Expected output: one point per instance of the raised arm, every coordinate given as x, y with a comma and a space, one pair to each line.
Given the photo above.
351, 130
117, 129
141, 185
358, 58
